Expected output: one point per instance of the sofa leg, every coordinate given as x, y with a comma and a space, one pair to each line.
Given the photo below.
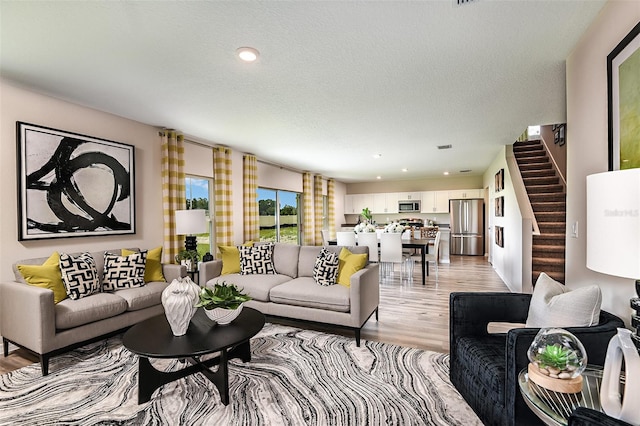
44, 364
376, 314
5, 347
357, 337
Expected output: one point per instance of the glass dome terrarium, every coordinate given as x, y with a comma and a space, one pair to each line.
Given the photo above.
557, 360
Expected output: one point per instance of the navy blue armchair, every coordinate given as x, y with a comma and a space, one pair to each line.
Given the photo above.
484, 366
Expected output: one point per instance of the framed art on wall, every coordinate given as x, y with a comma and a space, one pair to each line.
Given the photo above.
623, 83
71, 185
499, 237
499, 181
499, 208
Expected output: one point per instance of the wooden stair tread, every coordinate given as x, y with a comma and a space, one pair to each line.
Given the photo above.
537, 173
536, 189
535, 166
549, 206
541, 180
547, 197
555, 275
550, 216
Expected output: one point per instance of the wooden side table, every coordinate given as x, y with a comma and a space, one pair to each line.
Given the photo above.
554, 408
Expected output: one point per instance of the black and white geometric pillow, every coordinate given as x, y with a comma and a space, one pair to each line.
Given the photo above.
257, 259
79, 275
325, 270
123, 271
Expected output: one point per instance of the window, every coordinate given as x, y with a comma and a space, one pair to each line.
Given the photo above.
279, 215
198, 194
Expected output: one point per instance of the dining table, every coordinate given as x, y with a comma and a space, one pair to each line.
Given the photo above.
421, 244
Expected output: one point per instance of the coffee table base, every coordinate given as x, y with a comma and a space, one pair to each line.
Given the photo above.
150, 379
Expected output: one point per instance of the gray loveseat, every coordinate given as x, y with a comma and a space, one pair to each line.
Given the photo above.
292, 292
30, 319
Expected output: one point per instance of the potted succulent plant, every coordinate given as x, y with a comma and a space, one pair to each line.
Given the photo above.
222, 303
557, 360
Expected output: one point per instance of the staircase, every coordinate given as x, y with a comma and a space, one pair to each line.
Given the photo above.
548, 200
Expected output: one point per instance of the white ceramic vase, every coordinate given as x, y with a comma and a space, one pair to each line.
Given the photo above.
223, 316
179, 300
621, 348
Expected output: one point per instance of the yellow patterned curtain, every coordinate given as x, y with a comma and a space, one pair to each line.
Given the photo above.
307, 210
251, 223
331, 198
173, 191
223, 201
317, 206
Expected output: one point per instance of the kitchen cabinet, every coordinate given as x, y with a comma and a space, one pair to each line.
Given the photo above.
409, 196
385, 203
435, 202
354, 203
465, 193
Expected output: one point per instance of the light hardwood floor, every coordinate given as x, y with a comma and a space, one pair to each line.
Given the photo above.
410, 314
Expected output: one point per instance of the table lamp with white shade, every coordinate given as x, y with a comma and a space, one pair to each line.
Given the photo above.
190, 223
613, 247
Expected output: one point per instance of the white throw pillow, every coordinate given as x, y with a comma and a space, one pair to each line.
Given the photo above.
554, 305
257, 259
325, 270
79, 275
122, 272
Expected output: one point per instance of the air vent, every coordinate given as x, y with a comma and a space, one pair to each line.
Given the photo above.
463, 2
444, 146
465, 171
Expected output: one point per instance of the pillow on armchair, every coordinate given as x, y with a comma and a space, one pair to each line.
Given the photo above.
554, 305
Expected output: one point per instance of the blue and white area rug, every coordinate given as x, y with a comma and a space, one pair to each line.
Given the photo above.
295, 377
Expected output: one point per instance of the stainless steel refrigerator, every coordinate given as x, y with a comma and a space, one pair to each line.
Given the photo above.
467, 226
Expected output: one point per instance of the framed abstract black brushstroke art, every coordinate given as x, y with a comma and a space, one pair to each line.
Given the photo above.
623, 83
72, 185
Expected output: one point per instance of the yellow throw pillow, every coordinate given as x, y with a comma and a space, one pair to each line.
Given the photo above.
231, 258
153, 267
349, 264
46, 275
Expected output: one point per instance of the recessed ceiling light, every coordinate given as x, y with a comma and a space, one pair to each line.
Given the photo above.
248, 54
376, 156
378, 177
446, 173
405, 170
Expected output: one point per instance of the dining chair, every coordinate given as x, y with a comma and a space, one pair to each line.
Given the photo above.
429, 257
346, 238
391, 253
325, 237
369, 239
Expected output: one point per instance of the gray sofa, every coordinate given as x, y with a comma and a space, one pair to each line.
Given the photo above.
30, 319
292, 292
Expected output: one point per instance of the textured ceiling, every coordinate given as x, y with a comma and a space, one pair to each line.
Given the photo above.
336, 81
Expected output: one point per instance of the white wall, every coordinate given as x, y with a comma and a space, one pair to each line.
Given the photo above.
507, 261
17, 104
587, 151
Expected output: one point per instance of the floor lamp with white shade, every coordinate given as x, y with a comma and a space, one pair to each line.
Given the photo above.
613, 247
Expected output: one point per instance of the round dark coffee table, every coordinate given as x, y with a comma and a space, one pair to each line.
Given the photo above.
153, 338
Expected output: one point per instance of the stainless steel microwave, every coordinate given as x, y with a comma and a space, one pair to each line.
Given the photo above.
409, 206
